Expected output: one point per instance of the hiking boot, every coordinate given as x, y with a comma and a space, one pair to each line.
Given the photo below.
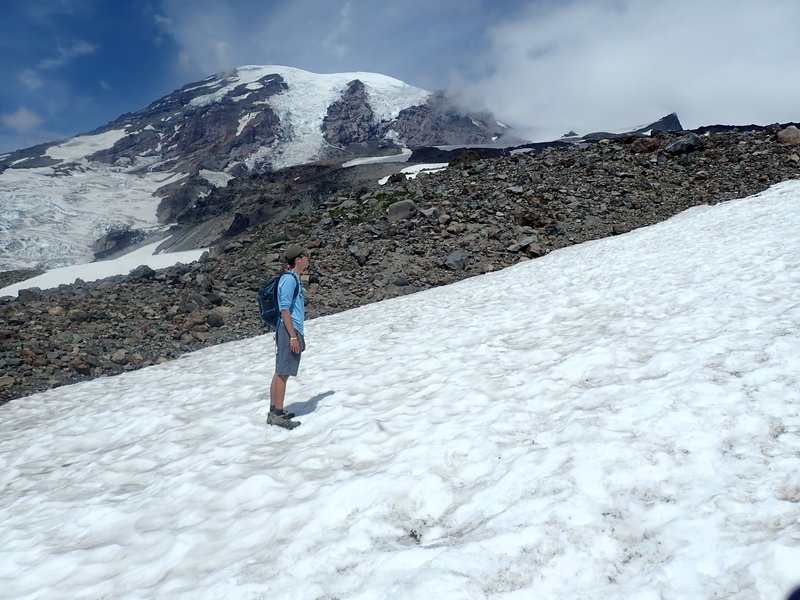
282, 421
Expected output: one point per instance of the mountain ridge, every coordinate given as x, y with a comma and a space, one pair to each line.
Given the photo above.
251, 120
277, 105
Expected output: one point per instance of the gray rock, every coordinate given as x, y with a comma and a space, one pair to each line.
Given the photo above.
457, 260
142, 272
361, 253
215, 319
524, 243
29, 294
401, 210
77, 315
687, 143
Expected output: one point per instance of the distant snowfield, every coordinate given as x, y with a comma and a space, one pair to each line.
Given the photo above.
616, 420
85, 145
404, 155
106, 268
414, 170
49, 220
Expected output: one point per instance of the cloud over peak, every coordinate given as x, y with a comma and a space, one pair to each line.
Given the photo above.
22, 120
67, 53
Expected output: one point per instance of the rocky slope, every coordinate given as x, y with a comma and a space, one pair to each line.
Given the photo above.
371, 242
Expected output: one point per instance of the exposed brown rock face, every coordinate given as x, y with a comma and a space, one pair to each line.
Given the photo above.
350, 120
479, 215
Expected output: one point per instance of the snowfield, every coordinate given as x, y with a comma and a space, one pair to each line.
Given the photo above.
616, 420
50, 220
145, 255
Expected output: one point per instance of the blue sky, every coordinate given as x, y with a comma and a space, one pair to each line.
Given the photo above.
543, 66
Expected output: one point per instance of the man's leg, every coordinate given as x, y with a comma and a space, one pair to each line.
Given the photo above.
277, 416
277, 390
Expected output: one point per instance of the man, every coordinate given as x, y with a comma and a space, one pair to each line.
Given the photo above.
289, 335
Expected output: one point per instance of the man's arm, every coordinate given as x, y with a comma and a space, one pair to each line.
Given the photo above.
294, 343
287, 292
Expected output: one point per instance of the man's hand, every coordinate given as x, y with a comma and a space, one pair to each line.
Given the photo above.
294, 345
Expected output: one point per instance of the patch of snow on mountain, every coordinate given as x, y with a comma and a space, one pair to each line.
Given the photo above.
208, 82
370, 160
414, 170
243, 121
216, 178
85, 145
146, 255
50, 220
388, 96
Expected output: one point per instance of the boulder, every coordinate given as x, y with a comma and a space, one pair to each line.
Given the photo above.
215, 319
120, 357
645, 145
523, 243
457, 260
142, 272
361, 253
29, 294
401, 210
789, 135
685, 144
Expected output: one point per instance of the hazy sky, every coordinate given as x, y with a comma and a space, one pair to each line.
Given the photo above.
542, 66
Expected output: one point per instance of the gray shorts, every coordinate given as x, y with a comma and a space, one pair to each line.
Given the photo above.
287, 362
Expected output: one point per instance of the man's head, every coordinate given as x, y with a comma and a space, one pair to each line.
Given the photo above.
296, 256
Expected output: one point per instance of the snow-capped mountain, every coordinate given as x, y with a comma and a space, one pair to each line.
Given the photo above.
59, 198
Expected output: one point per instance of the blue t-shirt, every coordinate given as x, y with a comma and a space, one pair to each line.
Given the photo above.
286, 299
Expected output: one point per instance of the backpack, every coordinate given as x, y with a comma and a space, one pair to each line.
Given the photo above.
268, 300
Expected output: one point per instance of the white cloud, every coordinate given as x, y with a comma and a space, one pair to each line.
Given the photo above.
599, 65
318, 35
22, 120
544, 67
30, 79
67, 53
336, 42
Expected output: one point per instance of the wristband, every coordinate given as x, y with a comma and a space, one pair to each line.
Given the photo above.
293, 339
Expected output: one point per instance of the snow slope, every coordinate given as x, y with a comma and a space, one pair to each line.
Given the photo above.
106, 268
616, 420
50, 219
